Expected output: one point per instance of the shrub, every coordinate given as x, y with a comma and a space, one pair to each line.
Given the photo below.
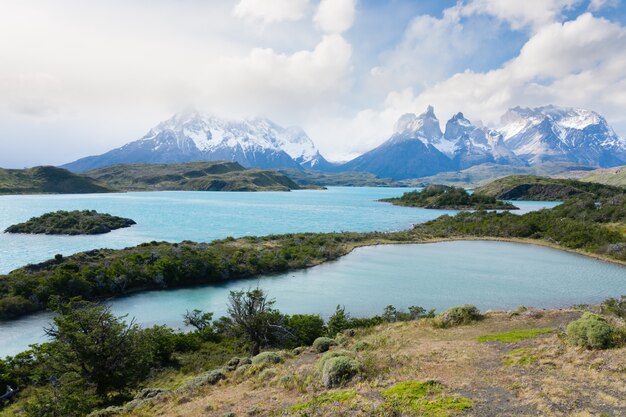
457, 316
268, 374
15, 306
339, 370
207, 378
329, 355
361, 345
590, 331
322, 344
615, 306
264, 358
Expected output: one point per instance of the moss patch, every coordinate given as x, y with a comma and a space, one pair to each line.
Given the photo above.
516, 335
424, 398
325, 399
520, 357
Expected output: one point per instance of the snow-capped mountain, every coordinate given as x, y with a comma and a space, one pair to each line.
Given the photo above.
528, 136
561, 134
471, 145
414, 150
192, 136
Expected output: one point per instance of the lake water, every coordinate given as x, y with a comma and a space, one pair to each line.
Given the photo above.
491, 275
205, 216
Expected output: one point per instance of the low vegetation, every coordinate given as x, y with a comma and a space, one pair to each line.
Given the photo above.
85, 222
586, 224
449, 198
191, 176
48, 180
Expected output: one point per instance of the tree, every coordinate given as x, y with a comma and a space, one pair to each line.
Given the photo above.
254, 319
98, 348
306, 328
202, 322
338, 322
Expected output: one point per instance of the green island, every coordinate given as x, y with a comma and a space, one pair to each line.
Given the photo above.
77, 222
446, 197
48, 180
192, 176
528, 187
416, 362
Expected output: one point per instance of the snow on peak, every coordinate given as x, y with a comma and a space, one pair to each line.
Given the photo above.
209, 132
424, 127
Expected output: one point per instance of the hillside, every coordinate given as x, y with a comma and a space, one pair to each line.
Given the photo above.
191, 176
411, 369
339, 179
527, 187
47, 180
610, 176
85, 222
484, 173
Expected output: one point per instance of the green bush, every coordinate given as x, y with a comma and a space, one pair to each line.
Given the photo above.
306, 328
322, 344
590, 331
339, 370
615, 306
457, 316
329, 355
264, 358
15, 306
361, 345
207, 378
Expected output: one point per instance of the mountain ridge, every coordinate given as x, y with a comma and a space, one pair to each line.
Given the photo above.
417, 148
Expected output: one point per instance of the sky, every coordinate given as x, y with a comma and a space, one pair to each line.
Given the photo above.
79, 78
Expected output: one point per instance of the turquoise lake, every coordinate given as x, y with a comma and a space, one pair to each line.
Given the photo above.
205, 216
492, 275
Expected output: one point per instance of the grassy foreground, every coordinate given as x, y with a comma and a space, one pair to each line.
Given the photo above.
413, 369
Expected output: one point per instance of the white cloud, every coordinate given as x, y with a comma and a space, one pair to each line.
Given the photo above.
335, 16
279, 83
579, 63
520, 13
271, 11
595, 5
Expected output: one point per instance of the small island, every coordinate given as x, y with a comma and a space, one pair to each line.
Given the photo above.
77, 222
445, 197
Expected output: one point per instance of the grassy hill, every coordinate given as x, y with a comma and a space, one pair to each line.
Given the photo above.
484, 173
528, 187
47, 180
610, 176
191, 176
339, 179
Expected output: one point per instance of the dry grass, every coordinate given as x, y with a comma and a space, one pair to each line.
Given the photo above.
494, 376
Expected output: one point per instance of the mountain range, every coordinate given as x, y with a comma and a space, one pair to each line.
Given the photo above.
192, 136
417, 148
